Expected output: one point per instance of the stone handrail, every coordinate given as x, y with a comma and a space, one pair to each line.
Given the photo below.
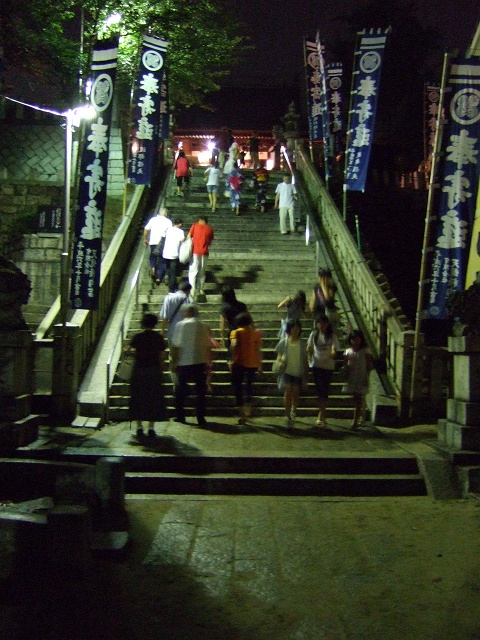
388, 333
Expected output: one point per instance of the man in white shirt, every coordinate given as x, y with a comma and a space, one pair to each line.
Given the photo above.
190, 353
153, 232
174, 237
172, 306
285, 196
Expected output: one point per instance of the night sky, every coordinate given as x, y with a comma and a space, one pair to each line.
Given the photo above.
261, 87
277, 28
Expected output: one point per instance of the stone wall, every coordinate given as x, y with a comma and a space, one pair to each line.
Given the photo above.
40, 261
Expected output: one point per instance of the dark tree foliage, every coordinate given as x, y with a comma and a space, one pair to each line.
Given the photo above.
42, 38
34, 45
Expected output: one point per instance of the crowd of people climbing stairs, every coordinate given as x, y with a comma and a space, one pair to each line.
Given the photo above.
193, 350
191, 346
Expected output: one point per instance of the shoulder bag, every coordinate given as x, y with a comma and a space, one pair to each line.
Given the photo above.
124, 371
185, 251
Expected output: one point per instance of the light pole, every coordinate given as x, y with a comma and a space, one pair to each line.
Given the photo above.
69, 115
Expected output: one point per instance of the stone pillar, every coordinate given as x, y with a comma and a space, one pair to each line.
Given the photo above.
16, 363
110, 482
461, 429
65, 377
17, 426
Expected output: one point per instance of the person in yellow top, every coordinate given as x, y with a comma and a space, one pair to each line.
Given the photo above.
246, 348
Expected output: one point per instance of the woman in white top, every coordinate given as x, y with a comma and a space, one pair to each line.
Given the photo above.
212, 178
292, 351
322, 346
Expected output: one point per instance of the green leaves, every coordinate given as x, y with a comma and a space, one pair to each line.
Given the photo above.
43, 37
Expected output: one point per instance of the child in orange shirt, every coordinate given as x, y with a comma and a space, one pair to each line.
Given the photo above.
245, 345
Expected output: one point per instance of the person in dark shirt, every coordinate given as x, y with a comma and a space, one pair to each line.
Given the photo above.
229, 310
147, 398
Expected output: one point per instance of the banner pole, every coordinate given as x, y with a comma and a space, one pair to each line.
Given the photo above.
474, 48
426, 236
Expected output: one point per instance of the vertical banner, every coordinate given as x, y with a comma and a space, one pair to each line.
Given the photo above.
334, 72
431, 104
92, 193
147, 102
314, 90
366, 84
458, 177
327, 150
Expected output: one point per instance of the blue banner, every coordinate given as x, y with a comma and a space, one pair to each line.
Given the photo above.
314, 90
327, 151
458, 177
366, 84
148, 103
334, 77
432, 100
92, 193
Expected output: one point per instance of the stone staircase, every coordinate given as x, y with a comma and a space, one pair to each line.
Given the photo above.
250, 254
263, 266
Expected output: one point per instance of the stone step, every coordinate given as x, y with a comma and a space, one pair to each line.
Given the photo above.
273, 410
271, 484
266, 396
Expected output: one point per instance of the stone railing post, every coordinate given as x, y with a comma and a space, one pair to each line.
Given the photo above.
66, 372
461, 429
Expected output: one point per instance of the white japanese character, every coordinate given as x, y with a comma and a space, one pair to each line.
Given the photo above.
336, 97
146, 105
95, 182
98, 138
461, 149
364, 111
362, 136
367, 87
149, 83
145, 129
93, 222
454, 232
455, 191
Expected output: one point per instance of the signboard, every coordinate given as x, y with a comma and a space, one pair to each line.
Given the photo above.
49, 220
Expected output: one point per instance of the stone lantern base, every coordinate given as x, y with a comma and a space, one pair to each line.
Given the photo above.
460, 431
18, 427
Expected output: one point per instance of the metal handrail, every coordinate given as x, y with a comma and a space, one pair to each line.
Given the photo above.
134, 288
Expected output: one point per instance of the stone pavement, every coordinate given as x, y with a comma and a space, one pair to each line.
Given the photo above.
264, 568
224, 436
263, 442
258, 568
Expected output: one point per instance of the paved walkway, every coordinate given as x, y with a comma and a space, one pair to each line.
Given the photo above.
224, 436
263, 568
266, 569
